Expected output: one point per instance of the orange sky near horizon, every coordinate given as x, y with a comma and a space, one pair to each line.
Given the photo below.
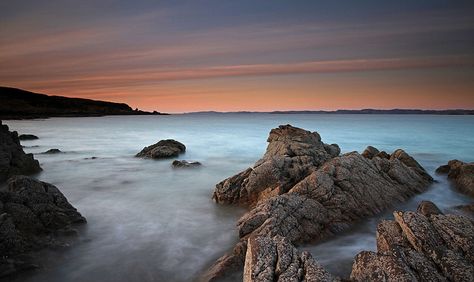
243, 56
386, 90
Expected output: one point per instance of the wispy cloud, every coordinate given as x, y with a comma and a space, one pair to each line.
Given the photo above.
151, 76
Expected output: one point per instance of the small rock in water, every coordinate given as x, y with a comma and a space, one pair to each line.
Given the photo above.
52, 151
184, 163
28, 137
163, 149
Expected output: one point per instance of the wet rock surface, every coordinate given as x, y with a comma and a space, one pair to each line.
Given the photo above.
31, 214
303, 191
185, 164
462, 175
28, 137
425, 245
13, 160
163, 149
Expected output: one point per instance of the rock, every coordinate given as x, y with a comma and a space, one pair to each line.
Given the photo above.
185, 164
163, 149
276, 259
467, 208
312, 195
370, 152
427, 208
461, 173
292, 154
31, 212
13, 160
419, 246
28, 137
383, 155
52, 151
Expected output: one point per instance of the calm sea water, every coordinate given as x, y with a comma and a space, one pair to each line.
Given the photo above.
150, 222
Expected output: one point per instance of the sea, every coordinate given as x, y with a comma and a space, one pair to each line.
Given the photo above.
148, 221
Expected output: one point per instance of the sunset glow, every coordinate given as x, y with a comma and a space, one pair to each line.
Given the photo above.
275, 55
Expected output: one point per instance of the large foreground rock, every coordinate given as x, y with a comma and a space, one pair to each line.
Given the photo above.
31, 213
304, 191
292, 154
425, 245
163, 149
13, 160
461, 173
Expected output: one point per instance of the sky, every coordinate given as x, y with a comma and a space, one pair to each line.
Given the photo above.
184, 56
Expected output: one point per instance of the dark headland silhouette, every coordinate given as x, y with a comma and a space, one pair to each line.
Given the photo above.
21, 104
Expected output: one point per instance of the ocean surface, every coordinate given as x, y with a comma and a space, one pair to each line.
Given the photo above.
150, 222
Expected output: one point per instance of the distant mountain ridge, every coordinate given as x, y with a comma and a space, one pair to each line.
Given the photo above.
363, 112
21, 104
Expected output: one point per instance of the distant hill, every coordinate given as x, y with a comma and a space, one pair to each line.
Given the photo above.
21, 104
385, 112
358, 112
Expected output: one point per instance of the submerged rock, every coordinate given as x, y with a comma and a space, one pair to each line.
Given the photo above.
420, 246
163, 149
461, 173
185, 164
52, 151
13, 160
31, 212
28, 137
303, 192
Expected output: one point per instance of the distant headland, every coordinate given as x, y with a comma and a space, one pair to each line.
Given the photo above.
21, 104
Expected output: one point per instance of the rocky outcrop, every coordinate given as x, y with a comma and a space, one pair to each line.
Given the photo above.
27, 137
31, 212
461, 173
184, 164
303, 192
163, 149
276, 259
425, 245
292, 154
13, 160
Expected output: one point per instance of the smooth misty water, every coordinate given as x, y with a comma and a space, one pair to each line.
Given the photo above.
149, 222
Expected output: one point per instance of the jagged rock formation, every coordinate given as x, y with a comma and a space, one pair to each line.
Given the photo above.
461, 173
13, 160
276, 259
184, 164
425, 245
30, 212
292, 154
163, 149
303, 191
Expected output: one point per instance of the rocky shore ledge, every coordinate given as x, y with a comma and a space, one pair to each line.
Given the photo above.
303, 190
33, 214
13, 160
